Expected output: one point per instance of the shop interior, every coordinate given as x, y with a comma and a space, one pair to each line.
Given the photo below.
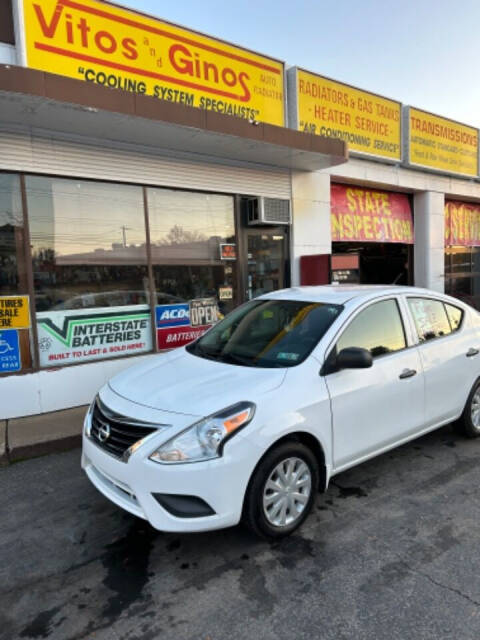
377, 263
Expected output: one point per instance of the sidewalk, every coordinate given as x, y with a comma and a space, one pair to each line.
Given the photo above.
33, 436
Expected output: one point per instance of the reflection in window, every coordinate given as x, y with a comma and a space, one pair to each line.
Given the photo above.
12, 260
186, 233
462, 274
455, 316
430, 318
13, 275
88, 244
268, 333
378, 329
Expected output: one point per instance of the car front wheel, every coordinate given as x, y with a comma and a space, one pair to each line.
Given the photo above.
281, 491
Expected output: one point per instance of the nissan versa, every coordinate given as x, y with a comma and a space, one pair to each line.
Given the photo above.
246, 423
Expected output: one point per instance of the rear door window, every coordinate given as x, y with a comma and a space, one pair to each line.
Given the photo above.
430, 317
455, 315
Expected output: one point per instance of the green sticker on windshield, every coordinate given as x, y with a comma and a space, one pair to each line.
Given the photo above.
284, 355
267, 314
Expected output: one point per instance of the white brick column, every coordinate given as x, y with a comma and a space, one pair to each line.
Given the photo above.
311, 231
429, 252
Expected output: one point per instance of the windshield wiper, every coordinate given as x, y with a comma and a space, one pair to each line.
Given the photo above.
200, 351
235, 359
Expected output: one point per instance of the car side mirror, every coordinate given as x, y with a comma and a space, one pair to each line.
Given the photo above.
354, 358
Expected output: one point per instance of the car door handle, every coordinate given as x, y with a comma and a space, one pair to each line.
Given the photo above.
407, 373
472, 352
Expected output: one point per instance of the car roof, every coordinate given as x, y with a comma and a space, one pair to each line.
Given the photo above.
340, 294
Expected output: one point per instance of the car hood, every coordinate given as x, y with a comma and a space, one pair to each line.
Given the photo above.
180, 382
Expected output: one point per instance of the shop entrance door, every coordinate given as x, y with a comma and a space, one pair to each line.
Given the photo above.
267, 266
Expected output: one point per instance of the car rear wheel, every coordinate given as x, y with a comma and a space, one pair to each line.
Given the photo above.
282, 491
469, 421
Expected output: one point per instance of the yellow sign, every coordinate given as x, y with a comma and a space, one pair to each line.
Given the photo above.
14, 312
441, 144
369, 123
114, 47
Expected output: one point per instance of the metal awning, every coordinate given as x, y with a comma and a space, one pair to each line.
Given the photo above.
48, 101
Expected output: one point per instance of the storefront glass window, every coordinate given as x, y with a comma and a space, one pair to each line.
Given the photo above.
89, 267
12, 261
15, 351
194, 258
462, 274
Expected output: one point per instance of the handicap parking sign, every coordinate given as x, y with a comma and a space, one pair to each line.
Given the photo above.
9, 351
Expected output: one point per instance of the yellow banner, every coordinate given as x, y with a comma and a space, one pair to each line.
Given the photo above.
14, 312
118, 48
442, 144
369, 123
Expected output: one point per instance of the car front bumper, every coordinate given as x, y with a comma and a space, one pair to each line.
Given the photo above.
221, 483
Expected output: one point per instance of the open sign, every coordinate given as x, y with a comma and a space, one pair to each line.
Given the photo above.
203, 311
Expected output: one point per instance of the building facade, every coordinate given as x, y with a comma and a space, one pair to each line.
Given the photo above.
133, 216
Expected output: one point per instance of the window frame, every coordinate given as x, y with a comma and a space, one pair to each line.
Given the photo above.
329, 366
419, 341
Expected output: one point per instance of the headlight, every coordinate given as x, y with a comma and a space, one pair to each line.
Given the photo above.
87, 423
204, 440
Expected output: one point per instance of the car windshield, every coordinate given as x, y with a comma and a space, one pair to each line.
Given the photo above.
267, 333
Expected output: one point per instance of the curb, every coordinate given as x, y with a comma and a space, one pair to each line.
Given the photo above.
41, 434
38, 449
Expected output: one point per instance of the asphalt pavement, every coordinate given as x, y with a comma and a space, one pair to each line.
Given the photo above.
392, 551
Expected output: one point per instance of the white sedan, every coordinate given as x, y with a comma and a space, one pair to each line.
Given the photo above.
246, 423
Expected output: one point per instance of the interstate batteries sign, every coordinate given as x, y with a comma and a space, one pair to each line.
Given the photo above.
370, 124
114, 47
440, 144
67, 337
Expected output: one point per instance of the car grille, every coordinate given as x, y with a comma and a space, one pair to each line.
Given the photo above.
114, 433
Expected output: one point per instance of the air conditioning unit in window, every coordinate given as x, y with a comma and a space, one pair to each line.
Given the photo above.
268, 211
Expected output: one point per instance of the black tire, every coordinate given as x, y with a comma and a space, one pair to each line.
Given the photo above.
254, 516
464, 425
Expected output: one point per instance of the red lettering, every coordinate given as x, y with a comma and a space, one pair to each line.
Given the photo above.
129, 49
181, 65
84, 30
48, 29
229, 77
183, 61
69, 27
242, 77
207, 66
100, 38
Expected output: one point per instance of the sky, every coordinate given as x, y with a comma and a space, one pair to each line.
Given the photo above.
420, 52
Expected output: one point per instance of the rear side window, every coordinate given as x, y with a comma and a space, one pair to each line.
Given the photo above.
430, 317
379, 329
455, 315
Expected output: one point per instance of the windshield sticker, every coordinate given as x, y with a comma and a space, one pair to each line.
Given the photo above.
284, 355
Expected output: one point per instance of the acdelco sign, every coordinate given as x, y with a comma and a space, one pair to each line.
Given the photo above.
172, 315
97, 42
